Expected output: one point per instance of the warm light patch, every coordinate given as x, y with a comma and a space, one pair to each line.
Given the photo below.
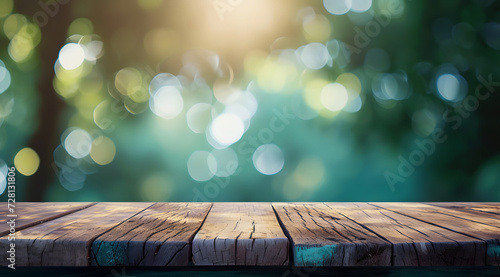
27, 161
156, 187
149, 4
103, 150
227, 128
334, 97
236, 26
312, 93
71, 56
6, 7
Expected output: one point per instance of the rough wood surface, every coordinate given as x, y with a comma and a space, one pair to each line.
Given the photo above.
492, 209
321, 236
483, 228
415, 243
66, 241
240, 234
158, 236
33, 213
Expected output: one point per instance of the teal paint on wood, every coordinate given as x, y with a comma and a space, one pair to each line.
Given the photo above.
493, 254
309, 255
493, 250
110, 253
158, 236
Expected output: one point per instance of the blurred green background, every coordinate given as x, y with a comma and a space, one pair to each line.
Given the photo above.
250, 100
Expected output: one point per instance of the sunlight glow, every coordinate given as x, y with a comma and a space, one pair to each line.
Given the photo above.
337, 7
334, 97
167, 102
71, 56
27, 161
227, 128
78, 143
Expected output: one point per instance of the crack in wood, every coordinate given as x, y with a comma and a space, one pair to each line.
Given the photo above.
307, 234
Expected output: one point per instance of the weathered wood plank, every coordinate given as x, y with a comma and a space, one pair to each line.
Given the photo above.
158, 236
66, 241
481, 209
415, 243
321, 236
474, 216
483, 228
33, 213
240, 234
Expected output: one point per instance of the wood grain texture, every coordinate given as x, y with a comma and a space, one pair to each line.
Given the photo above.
158, 236
321, 236
240, 234
33, 213
478, 227
415, 243
478, 208
66, 241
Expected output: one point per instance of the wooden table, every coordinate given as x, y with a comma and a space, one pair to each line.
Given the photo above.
253, 234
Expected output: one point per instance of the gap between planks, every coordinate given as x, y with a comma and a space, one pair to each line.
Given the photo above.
384, 247
240, 234
29, 214
161, 235
322, 237
66, 241
487, 230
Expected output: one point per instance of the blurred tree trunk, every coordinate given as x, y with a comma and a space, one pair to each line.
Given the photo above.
46, 137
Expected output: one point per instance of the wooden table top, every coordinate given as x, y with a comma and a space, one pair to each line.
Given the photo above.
252, 234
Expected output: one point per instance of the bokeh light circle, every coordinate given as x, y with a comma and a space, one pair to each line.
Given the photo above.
227, 128
5, 77
72, 179
78, 143
227, 162
314, 55
360, 5
451, 87
156, 187
268, 159
3, 176
389, 86
337, 7
334, 97
199, 117
167, 102
27, 161
492, 35
103, 150
201, 166
71, 56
